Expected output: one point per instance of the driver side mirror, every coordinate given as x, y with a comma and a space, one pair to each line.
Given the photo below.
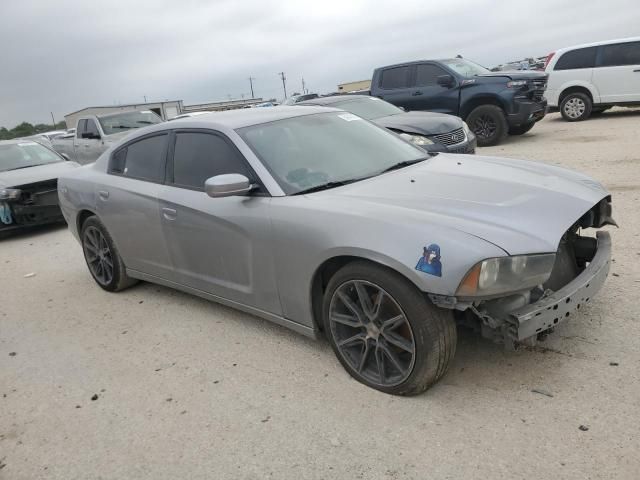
445, 81
227, 185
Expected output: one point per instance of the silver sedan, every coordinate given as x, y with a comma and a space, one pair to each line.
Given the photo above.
321, 221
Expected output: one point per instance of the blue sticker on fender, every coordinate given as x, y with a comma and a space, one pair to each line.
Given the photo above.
430, 261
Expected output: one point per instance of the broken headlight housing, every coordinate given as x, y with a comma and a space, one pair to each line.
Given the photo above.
10, 193
501, 275
418, 140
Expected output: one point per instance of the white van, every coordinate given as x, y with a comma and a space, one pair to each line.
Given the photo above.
588, 79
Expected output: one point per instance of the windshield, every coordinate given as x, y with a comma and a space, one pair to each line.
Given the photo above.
466, 68
122, 122
312, 150
26, 154
368, 107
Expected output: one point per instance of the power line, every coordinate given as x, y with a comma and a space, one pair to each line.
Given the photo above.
284, 83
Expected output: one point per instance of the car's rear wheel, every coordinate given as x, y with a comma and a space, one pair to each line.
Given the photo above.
102, 257
576, 107
521, 129
385, 332
489, 124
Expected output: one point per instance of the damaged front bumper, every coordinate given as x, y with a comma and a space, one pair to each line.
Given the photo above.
549, 311
37, 204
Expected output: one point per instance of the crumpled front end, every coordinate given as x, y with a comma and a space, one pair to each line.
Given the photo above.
581, 267
29, 205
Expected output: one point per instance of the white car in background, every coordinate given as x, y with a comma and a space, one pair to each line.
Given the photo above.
591, 78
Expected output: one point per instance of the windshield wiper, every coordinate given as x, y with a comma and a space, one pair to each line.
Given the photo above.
328, 185
406, 163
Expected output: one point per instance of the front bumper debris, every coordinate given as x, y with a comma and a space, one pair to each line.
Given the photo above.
549, 311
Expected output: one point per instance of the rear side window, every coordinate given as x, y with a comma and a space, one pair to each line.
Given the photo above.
144, 159
199, 156
427, 75
397, 77
620, 54
579, 58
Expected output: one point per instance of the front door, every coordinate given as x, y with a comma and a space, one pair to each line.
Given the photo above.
427, 94
221, 246
88, 144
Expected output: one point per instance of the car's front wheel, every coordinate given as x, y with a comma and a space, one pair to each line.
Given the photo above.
489, 124
102, 257
576, 107
384, 331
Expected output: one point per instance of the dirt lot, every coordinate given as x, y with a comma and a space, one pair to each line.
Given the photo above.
191, 389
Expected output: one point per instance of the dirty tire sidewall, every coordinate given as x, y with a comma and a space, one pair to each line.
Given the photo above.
488, 117
572, 101
120, 279
433, 328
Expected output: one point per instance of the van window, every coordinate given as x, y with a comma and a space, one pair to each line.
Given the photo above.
620, 54
579, 58
397, 77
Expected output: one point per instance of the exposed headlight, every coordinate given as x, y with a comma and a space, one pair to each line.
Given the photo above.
416, 139
466, 129
516, 83
506, 274
10, 193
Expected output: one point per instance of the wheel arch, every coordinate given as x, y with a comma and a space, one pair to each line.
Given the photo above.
577, 89
81, 217
330, 266
478, 101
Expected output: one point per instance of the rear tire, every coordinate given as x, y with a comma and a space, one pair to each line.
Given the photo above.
489, 124
102, 257
521, 129
576, 107
398, 343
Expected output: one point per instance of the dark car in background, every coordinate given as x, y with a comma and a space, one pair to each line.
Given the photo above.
493, 104
434, 132
29, 184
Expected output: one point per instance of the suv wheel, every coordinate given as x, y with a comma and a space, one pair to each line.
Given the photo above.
489, 124
102, 257
384, 331
576, 107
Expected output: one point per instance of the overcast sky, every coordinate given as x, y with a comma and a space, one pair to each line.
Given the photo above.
62, 56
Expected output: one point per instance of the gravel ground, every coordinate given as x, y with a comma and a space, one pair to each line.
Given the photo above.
152, 383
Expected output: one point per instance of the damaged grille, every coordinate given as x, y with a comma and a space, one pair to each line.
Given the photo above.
451, 138
37, 204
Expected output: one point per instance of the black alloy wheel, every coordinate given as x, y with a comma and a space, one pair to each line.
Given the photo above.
98, 255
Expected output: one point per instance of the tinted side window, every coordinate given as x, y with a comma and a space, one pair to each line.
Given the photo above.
82, 125
91, 128
620, 54
397, 77
199, 156
579, 58
427, 75
144, 159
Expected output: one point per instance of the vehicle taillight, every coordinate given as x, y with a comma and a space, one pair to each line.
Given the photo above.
549, 57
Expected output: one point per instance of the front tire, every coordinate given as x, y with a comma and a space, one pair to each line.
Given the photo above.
489, 124
102, 257
384, 331
576, 107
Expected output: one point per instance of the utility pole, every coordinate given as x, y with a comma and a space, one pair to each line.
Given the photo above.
251, 79
145, 98
284, 83
304, 90
54, 121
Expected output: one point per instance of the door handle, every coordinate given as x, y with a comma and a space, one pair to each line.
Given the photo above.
169, 213
103, 194
415, 94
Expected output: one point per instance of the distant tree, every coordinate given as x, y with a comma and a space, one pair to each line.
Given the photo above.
25, 129
4, 134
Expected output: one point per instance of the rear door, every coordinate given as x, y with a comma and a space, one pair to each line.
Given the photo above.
426, 94
221, 246
617, 73
394, 85
127, 203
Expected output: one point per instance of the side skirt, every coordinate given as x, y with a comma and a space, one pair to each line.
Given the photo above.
277, 319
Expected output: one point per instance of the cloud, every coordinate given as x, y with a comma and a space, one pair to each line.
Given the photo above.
63, 56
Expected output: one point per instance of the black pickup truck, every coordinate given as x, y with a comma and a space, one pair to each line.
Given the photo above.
493, 104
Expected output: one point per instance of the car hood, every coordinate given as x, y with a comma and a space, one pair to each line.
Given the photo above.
520, 206
40, 173
516, 75
423, 123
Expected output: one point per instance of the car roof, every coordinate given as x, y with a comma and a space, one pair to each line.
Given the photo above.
245, 117
413, 62
332, 99
596, 44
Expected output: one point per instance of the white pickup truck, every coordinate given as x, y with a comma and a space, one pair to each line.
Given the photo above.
96, 133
